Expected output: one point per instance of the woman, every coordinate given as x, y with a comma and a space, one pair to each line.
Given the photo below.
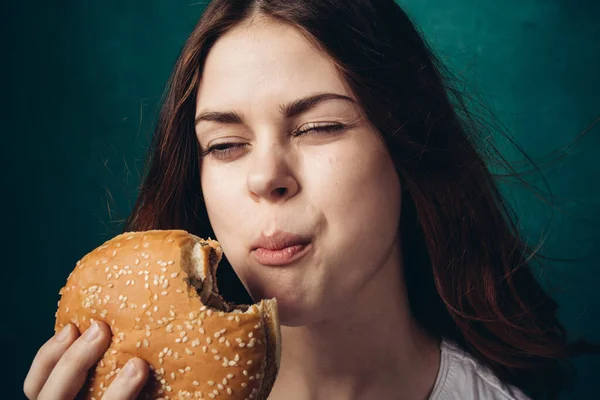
326, 128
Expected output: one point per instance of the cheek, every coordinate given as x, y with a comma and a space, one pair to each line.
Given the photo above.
222, 199
357, 188
359, 196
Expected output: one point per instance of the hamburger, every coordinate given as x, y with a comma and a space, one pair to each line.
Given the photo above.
157, 290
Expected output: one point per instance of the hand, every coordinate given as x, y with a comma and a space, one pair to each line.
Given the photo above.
60, 367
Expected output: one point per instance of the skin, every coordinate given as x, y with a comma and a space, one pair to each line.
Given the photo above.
60, 367
346, 328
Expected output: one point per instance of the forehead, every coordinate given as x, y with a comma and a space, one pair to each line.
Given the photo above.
262, 64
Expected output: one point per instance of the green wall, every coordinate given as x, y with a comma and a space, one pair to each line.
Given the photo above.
84, 79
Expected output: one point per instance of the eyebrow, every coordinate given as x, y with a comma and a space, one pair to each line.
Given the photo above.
289, 110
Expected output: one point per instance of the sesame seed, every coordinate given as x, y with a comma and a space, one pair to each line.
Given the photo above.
221, 386
195, 383
229, 391
211, 383
244, 384
188, 351
218, 358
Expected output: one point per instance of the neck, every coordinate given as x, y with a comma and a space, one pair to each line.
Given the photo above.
372, 348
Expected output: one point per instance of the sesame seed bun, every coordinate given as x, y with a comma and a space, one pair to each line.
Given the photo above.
157, 291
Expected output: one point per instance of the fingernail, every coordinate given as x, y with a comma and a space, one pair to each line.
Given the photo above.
63, 334
92, 332
130, 370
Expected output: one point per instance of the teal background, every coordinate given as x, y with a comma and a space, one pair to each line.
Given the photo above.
83, 80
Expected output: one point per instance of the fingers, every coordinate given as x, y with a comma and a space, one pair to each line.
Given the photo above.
70, 371
130, 381
45, 360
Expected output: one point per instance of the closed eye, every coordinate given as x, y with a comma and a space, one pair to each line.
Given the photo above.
224, 150
329, 128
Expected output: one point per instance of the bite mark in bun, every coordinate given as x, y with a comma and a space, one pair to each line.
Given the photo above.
157, 291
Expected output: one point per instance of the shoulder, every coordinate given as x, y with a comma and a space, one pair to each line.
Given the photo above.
461, 376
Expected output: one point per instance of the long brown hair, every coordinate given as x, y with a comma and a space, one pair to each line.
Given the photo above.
468, 271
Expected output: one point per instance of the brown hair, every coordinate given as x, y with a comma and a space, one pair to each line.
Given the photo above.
468, 271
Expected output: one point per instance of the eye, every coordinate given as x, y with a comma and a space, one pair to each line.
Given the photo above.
222, 150
316, 128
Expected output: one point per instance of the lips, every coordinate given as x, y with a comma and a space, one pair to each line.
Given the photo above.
280, 249
279, 241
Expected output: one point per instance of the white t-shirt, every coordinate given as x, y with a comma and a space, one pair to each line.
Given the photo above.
462, 377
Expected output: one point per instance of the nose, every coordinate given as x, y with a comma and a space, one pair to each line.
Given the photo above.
271, 175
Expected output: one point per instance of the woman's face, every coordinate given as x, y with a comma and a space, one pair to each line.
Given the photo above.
316, 169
